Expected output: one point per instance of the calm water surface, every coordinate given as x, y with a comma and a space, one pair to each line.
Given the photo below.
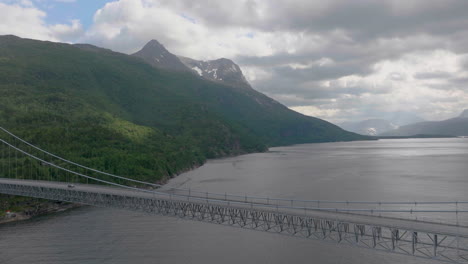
385, 170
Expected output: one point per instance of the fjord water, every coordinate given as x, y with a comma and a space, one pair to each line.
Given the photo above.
384, 170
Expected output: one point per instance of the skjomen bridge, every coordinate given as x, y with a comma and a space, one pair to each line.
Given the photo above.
27, 170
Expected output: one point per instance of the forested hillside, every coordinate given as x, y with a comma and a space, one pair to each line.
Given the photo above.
115, 112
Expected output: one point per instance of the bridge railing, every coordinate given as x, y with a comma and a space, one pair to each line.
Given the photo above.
428, 243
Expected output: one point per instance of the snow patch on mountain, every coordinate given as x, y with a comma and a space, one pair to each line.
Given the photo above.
198, 70
221, 70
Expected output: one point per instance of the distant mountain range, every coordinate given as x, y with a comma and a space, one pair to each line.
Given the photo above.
374, 127
371, 127
457, 126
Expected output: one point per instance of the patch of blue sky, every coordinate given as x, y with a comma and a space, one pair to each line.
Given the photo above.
64, 11
191, 19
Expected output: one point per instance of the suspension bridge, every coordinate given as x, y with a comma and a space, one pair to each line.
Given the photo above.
440, 233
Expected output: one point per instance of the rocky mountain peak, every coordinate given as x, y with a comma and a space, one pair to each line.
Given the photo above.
158, 56
219, 70
154, 43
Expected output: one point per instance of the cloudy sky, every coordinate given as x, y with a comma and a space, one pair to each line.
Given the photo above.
337, 59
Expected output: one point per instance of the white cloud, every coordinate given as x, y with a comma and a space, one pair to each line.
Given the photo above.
127, 25
253, 74
23, 19
320, 63
432, 98
67, 33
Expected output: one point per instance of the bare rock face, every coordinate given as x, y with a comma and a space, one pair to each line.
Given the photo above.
220, 70
158, 56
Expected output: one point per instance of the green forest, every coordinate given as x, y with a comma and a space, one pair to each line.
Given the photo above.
115, 113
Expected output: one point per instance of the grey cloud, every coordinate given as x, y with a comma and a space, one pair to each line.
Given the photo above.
460, 81
355, 35
432, 75
362, 18
355, 58
317, 73
312, 90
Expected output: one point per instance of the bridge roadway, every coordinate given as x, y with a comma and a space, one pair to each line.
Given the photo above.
345, 217
421, 239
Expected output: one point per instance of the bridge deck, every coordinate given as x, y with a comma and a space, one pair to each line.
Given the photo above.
424, 240
336, 216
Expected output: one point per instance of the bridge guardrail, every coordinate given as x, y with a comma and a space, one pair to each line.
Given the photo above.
441, 246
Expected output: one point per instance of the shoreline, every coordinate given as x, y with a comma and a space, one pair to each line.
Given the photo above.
51, 207
47, 207
40, 209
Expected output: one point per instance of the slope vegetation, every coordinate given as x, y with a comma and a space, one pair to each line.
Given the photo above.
117, 113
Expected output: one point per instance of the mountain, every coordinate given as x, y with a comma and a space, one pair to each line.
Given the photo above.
120, 114
374, 127
401, 118
155, 54
457, 126
220, 70
371, 127
464, 114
